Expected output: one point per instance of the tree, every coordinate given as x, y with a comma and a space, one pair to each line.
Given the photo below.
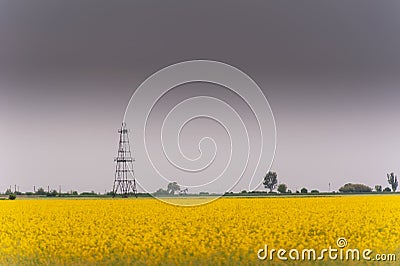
314, 191
12, 196
270, 181
304, 190
282, 188
40, 191
378, 188
392, 180
173, 187
8, 191
351, 188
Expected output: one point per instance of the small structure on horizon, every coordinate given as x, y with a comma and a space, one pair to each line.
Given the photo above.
124, 181
183, 191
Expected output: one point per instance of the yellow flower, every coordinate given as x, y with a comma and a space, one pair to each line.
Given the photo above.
228, 231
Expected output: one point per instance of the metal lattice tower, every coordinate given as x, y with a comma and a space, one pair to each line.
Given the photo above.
124, 181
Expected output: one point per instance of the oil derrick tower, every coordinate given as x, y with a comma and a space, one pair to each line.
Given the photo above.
124, 182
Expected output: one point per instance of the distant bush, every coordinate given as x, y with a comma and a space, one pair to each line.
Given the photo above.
161, 192
378, 188
40, 191
204, 193
91, 193
354, 188
387, 189
12, 196
304, 190
243, 191
53, 193
314, 191
282, 188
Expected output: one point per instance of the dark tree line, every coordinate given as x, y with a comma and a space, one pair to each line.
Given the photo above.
271, 183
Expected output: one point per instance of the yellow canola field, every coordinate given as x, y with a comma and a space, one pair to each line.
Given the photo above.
228, 231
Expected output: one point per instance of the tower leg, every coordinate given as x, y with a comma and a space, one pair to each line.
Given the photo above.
113, 191
134, 188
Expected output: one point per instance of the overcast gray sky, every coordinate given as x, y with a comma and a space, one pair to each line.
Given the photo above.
330, 70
